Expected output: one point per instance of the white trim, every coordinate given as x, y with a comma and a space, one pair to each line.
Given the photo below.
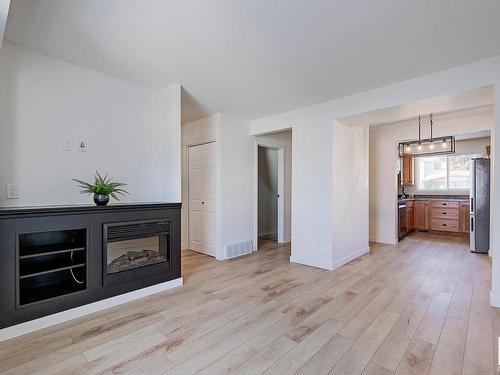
311, 262
387, 241
287, 239
77, 312
350, 257
494, 300
281, 190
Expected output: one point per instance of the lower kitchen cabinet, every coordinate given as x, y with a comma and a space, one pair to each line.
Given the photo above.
443, 216
421, 215
464, 217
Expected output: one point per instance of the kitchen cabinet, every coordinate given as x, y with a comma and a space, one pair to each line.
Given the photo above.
410, 218
421, 212
464, 217
408, 170
445, 216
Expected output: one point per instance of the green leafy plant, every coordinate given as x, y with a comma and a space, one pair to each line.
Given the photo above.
102, 185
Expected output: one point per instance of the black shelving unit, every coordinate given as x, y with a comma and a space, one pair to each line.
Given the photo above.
44, 249
51, 264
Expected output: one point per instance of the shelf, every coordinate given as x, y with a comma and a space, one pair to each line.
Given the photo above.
44, 272
42, 250
45, 292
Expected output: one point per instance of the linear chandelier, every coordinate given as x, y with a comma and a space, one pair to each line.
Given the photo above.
429, 146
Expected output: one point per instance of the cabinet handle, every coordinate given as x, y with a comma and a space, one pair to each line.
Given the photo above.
445, 204
445, 213
444, 225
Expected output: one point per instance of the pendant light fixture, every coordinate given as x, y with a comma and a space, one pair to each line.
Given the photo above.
429, 146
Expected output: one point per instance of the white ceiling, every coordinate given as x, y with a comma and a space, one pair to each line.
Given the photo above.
458, 101
253, 58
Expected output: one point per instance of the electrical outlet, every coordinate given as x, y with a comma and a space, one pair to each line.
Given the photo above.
13, 191
82, 146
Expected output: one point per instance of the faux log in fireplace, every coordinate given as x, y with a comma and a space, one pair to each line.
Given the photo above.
59, 257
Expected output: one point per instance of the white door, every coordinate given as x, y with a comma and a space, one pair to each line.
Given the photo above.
202, 198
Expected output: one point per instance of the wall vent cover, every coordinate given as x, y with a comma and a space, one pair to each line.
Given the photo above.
238, 249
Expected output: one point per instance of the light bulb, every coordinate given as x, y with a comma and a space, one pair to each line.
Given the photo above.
419, 147
444, 143
431, 146
408, 149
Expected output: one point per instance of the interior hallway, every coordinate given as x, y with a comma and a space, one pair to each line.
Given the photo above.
416, 308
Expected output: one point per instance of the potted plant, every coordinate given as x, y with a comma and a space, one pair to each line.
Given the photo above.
102, 188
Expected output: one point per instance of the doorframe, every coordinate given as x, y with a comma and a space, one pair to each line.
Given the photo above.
188, 211
281, 190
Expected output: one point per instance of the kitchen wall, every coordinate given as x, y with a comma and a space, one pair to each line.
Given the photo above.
131, 131
384, 161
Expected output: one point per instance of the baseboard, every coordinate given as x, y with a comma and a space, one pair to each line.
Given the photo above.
77, 312
311, 262
387, 241
350, 257
494, 301
287, 240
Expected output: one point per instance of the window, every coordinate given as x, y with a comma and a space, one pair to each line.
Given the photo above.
447, 172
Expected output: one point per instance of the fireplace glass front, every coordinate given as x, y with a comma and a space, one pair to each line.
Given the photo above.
136, 245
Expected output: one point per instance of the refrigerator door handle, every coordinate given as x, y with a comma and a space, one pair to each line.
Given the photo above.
472, 234
471, 204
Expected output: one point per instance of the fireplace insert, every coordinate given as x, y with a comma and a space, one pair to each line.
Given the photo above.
133, 250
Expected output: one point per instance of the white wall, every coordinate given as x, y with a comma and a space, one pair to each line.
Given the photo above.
384, 159
236, 145
132, 132
234, 177
268, 192
350, 193
283, 140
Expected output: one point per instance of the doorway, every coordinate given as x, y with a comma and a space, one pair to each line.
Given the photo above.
268, 194
202, 204
272, 189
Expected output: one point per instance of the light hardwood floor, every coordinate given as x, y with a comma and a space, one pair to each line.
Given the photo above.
418, 308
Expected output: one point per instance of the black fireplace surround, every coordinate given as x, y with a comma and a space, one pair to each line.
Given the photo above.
59, 257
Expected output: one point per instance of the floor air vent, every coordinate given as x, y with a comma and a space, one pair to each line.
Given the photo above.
238, 249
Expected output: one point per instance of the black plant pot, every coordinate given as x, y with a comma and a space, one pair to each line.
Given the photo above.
101, 199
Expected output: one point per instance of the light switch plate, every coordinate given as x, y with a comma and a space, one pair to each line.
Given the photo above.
68, 145
13, 191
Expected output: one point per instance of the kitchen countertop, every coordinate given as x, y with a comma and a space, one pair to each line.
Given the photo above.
446, 199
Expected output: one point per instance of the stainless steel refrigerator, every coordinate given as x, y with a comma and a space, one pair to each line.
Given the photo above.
480, 205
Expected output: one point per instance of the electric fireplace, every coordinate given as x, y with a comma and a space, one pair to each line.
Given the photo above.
134, 249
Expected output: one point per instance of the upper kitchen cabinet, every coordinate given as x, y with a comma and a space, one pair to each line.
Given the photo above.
408, 170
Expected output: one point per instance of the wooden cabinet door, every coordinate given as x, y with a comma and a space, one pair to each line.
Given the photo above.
464, 217
410, 218
421, 212
408, 172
